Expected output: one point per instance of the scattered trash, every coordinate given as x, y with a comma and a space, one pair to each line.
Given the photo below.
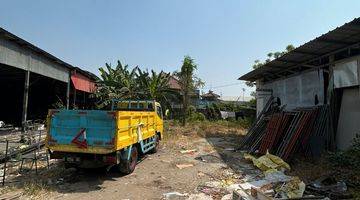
273, 168
41, 127
227, 182
227, 197
276, 176
182, 166
200, 196
189, 151
23, 146
230, 149
172, 195
213, 184
292, 189
215, 189
330, 187
254, 184
59, 181
209, 158
200, 174
268, 162
233, 187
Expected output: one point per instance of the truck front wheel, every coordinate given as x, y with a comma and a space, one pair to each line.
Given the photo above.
128, 166
157, 142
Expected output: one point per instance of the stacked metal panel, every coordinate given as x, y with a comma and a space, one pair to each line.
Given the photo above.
286, 133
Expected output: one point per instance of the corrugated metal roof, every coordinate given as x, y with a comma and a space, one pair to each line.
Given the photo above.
305, 57
11, 37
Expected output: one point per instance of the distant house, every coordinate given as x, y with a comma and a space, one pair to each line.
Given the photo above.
176, 104
174, 83
210, 96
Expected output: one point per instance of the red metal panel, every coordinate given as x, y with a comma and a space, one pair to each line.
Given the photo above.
83, 83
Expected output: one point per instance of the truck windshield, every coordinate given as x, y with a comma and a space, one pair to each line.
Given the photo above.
132, 105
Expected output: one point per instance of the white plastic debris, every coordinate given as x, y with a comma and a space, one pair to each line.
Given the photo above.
171, 195
227, 197
200, 196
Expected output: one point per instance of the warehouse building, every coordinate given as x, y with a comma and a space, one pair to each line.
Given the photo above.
325, 70
33, 81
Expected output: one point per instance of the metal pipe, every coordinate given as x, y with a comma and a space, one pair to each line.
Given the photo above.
6, 153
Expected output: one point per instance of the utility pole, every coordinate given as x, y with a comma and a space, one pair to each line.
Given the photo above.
243, 89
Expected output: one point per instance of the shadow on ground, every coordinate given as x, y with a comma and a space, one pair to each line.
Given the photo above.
225, 145
58, 178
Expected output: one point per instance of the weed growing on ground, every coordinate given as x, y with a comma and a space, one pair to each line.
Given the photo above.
33, 188
348, 158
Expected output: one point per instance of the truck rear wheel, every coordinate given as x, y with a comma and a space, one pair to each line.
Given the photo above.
128, 166
157, 142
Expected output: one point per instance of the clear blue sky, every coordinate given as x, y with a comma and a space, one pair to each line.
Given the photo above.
224, 37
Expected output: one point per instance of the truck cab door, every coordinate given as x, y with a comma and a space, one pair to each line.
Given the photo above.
159, 119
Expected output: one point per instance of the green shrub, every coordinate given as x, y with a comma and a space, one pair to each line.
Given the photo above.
246, 122
196, 117
348, 158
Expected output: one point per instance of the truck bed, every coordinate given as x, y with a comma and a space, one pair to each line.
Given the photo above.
99, 132
86, 131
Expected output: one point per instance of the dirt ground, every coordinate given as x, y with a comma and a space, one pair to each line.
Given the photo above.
196, 162
167, 171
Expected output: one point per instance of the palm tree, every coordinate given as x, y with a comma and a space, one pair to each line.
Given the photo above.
117, 83
188, 83
122, 83
156, 87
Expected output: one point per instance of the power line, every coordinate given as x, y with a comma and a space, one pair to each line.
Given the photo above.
221, 86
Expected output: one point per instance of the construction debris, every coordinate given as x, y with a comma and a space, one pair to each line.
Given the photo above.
189, 151
274, 184
293, 189
182, 166
200, 196
268, 162
174, 195
330, 187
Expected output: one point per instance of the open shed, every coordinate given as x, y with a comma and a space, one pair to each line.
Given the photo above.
324, 70
34, 81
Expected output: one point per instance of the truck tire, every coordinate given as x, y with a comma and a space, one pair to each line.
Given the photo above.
128, 166
157, 141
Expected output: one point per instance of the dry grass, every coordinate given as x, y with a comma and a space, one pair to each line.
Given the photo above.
182, 137
309, 169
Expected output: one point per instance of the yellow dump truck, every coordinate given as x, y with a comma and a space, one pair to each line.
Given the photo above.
93, 138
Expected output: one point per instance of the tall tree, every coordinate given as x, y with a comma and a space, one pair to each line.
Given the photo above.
156, 86
270, 57
188, 82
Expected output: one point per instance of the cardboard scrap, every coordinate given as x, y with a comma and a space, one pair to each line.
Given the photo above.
268, 162
182, 166
188, 151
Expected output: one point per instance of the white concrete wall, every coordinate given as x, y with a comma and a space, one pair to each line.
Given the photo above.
349, 118
16, 56
299, 90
